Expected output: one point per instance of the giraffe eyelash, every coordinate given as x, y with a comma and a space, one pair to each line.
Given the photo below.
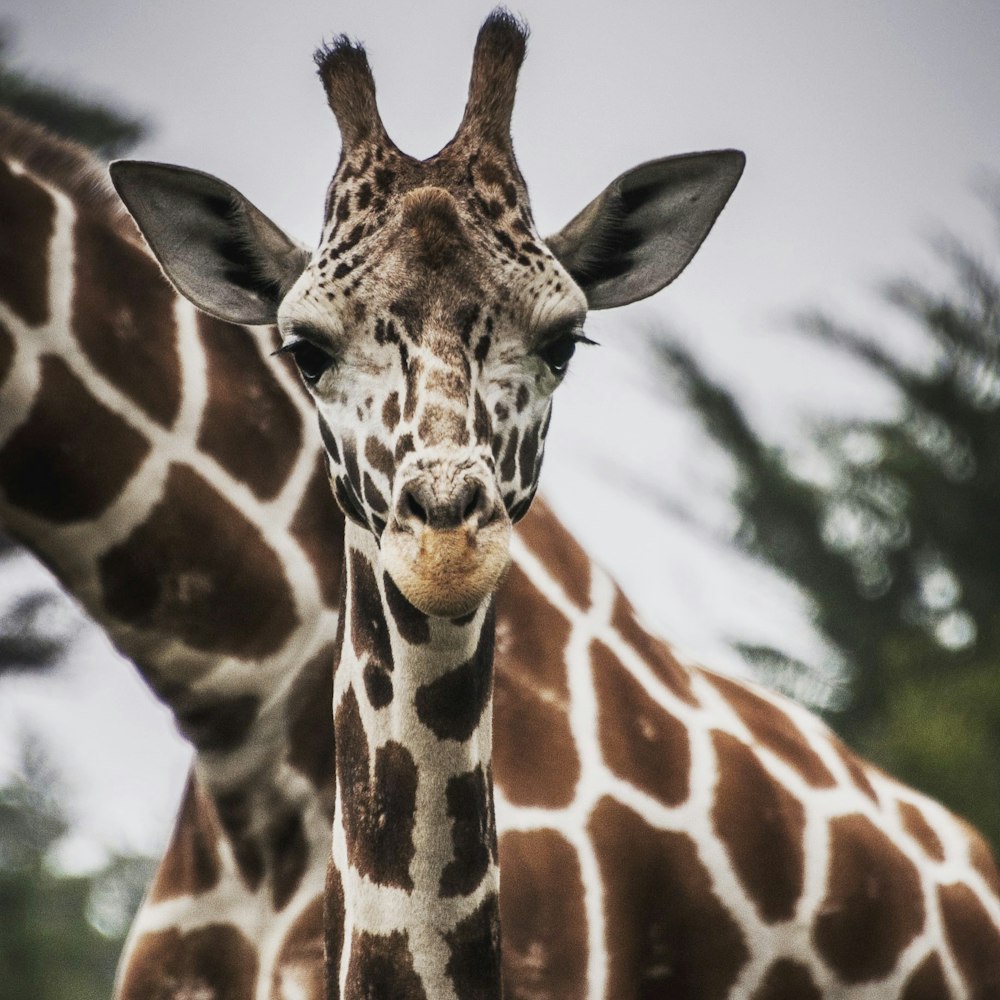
572, 330
312, 360
557, 350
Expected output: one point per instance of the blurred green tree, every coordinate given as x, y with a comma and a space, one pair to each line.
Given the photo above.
889, 530
61, 934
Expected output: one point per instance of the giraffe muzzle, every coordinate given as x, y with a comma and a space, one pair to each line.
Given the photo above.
447, 545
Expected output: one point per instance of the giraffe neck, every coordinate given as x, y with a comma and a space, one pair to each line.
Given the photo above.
209, 557
414, 839
193, 546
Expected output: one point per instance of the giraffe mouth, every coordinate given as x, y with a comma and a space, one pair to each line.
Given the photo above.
447, 573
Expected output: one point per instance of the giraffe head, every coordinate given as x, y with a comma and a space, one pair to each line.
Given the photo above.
432, 324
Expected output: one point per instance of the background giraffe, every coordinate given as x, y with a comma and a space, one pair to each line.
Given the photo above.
702, 820
205, 555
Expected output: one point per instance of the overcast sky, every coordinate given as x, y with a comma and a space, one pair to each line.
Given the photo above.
865, 125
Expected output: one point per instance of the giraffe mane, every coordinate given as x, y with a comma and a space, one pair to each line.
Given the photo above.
68, 165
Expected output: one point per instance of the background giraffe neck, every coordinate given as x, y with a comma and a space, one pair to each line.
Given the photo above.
212, 562
414, 839
191, 547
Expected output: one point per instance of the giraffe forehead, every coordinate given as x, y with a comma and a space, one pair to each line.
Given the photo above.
390, 292
425, 239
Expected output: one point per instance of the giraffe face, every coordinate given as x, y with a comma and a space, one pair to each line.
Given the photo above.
432, 326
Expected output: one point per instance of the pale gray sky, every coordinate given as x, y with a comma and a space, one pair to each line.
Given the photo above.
864, 125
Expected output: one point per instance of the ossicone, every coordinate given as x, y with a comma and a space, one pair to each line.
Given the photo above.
350, 91
496, 61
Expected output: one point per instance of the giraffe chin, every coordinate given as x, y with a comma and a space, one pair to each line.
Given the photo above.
447, 573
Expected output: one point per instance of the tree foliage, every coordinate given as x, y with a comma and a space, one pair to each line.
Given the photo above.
891, 532
61, 934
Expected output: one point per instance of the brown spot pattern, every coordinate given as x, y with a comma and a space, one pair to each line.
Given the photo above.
236, 814
773, 729
787, 980
6, 351
289, 853
473, 832
668, 934
761, 825
413, 625
249, 425
543, 917
318, 527
380, 458
123, 318
215, 962
641, 742
927, 981
61, 481
559, 552
855, 770
527, 455
981, 858
412, 369
191, 863
916, 825
873, 906
654, 652
403, 447
536, 762
381, 968
198, 571
333, 922
974, 940
481, 418
310, 724
369, 632
508, 465
216, 724
299, 968
28, 215
373, 496
390, 411
378, 811
326, 435
474, 943
378, 684
452, 706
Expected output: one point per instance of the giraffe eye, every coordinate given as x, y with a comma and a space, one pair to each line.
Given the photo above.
312, 361
558, 352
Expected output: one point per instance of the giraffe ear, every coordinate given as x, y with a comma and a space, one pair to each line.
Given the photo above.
217, 248
641, 231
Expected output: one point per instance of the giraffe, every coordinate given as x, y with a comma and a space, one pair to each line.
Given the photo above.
211, 558
663, 831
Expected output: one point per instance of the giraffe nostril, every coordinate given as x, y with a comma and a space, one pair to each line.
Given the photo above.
443, 506
412, 506
474, 502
